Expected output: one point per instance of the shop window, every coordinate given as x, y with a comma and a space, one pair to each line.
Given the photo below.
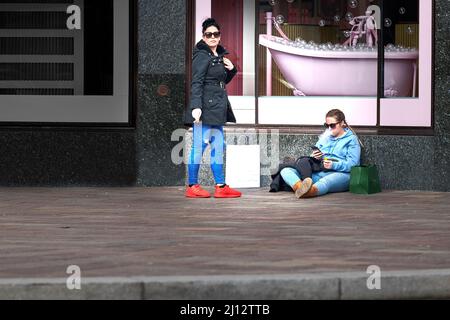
65, 61
237, 20
307, 56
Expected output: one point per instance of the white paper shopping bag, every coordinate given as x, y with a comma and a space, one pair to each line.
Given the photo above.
243, 166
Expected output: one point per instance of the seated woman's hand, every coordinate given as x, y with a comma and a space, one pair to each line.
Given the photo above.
317, 154
328, 164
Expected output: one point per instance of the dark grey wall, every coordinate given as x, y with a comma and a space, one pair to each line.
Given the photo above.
162, 47
67, 158
98, 157
143, 156
441, 161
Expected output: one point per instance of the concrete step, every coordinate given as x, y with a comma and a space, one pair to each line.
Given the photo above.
408, 284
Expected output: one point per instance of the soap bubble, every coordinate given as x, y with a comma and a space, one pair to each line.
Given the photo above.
348, 16
353, 3
410, 30
280, 19
322, 23
300, 42
387, 22
273, 2
402, 10
347, 33
337, 18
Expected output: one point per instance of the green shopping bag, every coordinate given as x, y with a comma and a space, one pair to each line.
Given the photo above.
364, 180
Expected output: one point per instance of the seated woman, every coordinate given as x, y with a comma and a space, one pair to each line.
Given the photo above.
338, 150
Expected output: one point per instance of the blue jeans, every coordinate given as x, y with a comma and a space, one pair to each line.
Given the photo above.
325, 181
202, 136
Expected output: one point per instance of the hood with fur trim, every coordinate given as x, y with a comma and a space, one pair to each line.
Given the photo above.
202, 46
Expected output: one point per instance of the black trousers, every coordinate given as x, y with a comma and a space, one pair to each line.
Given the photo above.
307, 165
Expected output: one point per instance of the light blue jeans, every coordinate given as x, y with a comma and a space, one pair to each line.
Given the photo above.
204, 135
325, 181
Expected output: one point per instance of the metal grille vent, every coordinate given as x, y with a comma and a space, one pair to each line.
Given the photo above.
38, 54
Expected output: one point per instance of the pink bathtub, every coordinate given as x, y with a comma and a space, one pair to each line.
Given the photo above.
342, 73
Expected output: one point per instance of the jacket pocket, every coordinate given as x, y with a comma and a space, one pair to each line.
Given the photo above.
211, 102
214, 109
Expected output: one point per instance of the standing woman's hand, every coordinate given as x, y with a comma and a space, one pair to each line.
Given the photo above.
196, 114
228, 64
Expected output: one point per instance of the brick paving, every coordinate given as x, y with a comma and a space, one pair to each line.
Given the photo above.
115, 232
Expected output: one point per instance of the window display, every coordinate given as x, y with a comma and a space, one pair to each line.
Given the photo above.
315, 54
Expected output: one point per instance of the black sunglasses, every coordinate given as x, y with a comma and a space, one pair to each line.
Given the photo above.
209, 35
331, 125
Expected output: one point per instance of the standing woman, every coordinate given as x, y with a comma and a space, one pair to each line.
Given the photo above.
209, 110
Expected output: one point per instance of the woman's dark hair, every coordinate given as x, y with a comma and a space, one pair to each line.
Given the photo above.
340, 117
210, 22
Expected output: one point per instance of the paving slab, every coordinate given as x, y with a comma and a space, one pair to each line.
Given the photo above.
124, 233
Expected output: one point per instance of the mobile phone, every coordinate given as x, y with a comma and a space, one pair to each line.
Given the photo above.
314, 148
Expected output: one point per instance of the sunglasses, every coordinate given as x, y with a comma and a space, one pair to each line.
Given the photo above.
209, 35
331, 125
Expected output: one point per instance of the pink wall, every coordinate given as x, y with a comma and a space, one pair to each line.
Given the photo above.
229, 14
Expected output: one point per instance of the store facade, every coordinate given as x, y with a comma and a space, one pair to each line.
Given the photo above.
101, 102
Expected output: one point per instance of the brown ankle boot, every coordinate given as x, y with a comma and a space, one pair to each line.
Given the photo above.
304, 188
297, 186
313, 192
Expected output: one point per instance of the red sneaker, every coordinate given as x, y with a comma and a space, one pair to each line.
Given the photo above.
226, 192
197, 192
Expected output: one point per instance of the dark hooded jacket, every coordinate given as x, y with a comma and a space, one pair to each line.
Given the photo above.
209, 77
